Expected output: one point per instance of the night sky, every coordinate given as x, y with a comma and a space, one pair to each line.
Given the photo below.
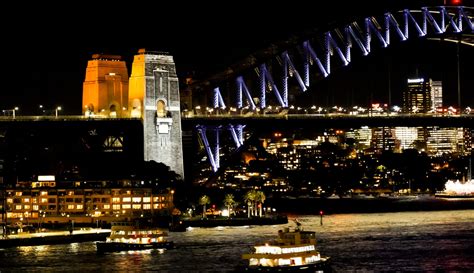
47, 57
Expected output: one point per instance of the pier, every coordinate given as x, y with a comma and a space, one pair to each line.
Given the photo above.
54, 237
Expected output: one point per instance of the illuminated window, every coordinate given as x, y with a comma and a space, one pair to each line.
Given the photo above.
26, 207
43, 193
106, 206
156, 206
146, 206
156, 199
14, 215
18, 193
35, 207
44, 200
116, 200
137, 206
70, 193
146, 199
34, 200
136, 199
160, 109
10, 200
126, 206
18, 207
126, 199
79, 207
70, 206
116, 207
26, 200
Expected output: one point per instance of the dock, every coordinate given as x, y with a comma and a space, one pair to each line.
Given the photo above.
54, 237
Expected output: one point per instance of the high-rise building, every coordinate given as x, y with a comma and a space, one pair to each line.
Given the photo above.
383, 139
468, 143
407, 136
363, 136
436, 94
417, 97
442, 141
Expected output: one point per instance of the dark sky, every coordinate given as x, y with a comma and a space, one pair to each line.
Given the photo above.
47, 56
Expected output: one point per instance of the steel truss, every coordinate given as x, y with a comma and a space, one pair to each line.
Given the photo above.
339, 42
236, 132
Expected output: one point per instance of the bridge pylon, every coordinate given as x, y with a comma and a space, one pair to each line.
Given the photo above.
154, 97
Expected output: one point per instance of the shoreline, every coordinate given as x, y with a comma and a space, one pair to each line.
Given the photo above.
235, 221
367, 205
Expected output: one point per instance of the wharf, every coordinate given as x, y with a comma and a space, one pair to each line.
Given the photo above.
54, 237
215, 222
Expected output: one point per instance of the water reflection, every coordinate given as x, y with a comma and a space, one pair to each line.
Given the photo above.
403, 241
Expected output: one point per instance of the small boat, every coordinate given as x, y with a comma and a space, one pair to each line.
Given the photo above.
294, 251
126, 236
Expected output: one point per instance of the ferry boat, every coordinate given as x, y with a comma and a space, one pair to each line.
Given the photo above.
294, 251
130, 236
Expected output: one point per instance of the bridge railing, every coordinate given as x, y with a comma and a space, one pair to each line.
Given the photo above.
61, 118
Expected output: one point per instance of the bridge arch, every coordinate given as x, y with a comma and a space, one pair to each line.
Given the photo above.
334, 47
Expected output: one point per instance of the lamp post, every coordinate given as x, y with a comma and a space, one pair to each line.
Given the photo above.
14, 111
57, 110
6, 112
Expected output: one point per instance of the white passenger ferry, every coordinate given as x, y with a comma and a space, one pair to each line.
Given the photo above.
295, 250
131, 236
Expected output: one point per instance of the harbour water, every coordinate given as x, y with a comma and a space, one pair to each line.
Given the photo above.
398, 241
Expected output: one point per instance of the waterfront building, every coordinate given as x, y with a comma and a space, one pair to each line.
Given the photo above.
45, 200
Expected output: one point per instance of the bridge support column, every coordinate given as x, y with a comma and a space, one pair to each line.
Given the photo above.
154, 95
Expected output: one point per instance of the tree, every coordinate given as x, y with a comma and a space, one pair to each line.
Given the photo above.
203, 201
249, 198
259, 198
229, 201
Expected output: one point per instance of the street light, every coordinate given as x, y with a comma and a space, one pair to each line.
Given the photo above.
57, 110
14, 111
41, 109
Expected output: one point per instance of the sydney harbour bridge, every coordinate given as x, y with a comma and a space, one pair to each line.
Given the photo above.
149, 120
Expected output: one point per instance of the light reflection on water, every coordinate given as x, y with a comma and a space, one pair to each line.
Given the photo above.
403, 241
